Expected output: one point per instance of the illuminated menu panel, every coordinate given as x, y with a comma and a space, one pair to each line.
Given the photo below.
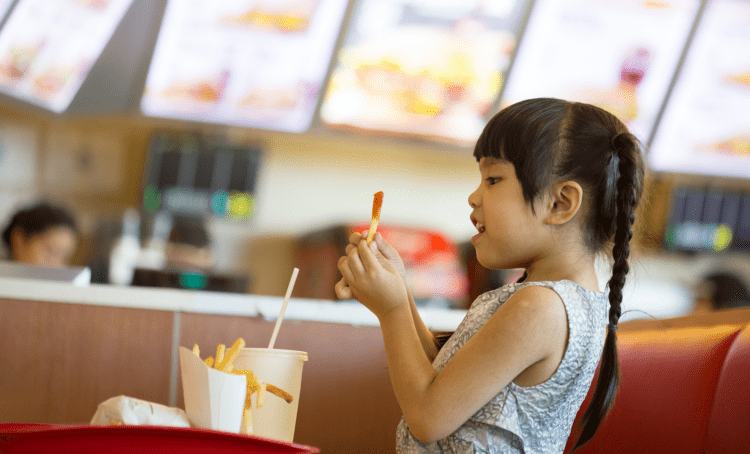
4, 5
47, 47
620, 55
251, 63
706, 124
423, 67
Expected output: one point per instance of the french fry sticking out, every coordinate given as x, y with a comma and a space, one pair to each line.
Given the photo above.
280, 392
377, 203
252, 382
248, 426
231, 355
196, 350
219, 354
261, 396
209, 361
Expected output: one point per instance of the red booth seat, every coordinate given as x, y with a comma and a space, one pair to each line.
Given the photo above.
684, 388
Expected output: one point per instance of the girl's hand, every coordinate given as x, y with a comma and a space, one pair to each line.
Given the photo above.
375, 284
385, 254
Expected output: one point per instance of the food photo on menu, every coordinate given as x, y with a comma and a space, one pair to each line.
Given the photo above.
705, 129
249, 63
48, 48
620, 55
422, 68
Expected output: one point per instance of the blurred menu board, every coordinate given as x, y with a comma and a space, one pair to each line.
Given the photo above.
620, 55
705, 128
4, 5
47, 47
251, 63
423, 67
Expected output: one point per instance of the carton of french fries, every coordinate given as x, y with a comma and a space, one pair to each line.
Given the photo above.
214, 397
228, 391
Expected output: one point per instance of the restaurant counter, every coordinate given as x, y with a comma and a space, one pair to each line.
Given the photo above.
64, 349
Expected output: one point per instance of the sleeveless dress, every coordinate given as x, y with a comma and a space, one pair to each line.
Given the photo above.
535, 419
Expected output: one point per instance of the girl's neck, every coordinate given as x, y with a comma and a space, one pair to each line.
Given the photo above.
571, 266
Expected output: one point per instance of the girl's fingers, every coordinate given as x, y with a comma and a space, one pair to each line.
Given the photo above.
355, 263
386, 249
346, 271
343, 290
356, 236
368, 257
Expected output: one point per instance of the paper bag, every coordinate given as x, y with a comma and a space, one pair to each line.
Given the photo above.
136, 412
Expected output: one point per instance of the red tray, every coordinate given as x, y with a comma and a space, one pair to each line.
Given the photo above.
81, 439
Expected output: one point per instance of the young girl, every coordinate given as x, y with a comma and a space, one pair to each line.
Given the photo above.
559, 182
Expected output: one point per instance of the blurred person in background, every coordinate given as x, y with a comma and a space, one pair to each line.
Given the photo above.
41, 235
720, 291
188, 247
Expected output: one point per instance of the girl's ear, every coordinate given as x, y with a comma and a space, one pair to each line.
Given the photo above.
564, 202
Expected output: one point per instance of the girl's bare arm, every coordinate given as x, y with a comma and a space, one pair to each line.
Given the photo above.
528, 328
387, 253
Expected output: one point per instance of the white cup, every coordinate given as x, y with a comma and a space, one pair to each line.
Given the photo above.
276, 419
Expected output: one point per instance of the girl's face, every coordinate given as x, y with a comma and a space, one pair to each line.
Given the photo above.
509, 232
53, 247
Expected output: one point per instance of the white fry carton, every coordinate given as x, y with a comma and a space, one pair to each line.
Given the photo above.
213, 399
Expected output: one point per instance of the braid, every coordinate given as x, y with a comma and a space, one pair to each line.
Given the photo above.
627, 198
629, 183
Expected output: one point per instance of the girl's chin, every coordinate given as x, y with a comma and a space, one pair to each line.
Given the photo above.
475, 238
489, 260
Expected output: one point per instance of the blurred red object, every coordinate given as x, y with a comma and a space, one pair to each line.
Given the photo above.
433, 263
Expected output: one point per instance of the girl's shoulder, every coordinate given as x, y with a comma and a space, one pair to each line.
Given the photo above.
564, 288
575, 297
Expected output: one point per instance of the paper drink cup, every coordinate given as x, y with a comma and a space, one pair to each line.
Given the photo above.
276, 419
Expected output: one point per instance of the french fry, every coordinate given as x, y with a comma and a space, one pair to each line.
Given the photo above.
280, 392
196, 350
261, 396
209, 361
231, 355
377, 203
248, 392
252, 382
219, 354
248, 427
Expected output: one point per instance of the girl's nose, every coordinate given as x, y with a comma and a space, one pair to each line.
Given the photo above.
474, 198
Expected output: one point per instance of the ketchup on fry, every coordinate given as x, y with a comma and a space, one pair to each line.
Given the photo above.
376, 204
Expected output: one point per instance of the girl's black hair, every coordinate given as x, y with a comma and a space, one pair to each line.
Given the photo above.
37, 219
550, 140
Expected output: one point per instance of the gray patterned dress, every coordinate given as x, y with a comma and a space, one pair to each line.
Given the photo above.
535, 419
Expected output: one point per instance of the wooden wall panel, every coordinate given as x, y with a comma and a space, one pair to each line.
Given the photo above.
347, 404
59, 361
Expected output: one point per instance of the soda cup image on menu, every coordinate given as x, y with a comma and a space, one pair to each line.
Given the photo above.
279, 378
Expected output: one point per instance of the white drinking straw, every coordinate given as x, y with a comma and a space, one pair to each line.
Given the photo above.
283, 308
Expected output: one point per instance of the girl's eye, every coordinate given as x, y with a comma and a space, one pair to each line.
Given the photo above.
493, 180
